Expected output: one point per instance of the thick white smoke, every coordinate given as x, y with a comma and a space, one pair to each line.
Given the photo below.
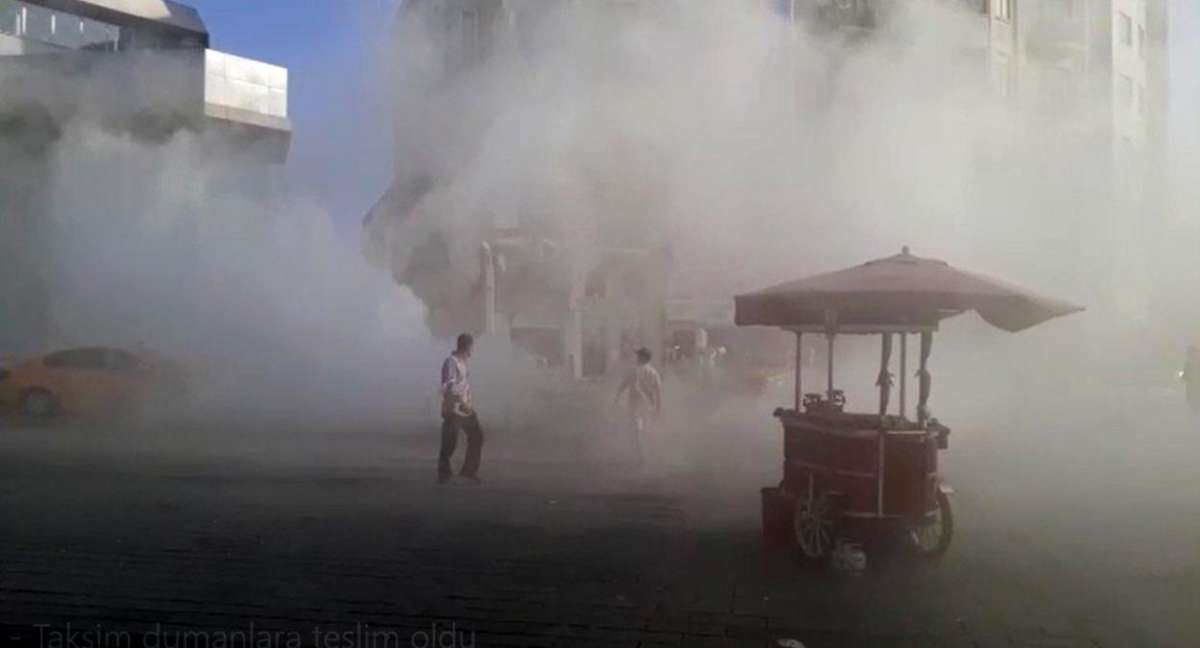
763, 151
760, 152
189, 250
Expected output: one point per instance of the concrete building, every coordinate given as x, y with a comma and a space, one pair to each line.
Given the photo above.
1100, 69
130, 59
1095, 75
1111, 53
853, 15
135, 68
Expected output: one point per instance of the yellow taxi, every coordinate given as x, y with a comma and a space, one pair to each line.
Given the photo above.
89, 381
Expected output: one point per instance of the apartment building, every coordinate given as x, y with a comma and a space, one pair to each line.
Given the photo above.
1108, 53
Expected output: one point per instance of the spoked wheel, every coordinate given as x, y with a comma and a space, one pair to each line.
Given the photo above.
813, 523
931, 539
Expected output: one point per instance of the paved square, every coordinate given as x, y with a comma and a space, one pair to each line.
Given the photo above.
120, 539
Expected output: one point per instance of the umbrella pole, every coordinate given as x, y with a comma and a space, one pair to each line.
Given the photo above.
926, 380
799, 370
829, 379
903, 374
884, 382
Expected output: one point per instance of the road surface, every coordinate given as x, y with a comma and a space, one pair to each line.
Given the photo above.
283, 534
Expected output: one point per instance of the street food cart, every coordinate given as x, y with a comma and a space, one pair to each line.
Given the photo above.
849, 475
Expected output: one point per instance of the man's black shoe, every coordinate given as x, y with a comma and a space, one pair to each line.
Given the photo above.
472, 479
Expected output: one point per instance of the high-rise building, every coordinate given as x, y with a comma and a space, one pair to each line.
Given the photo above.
1108, 53
1099, 70
855, 14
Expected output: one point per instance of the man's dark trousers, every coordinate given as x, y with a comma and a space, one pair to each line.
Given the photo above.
452, 424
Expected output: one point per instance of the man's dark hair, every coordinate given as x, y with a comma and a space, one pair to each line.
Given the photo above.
465, 341
644, 355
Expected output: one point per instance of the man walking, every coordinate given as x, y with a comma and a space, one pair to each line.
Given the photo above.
644, 386
458, 415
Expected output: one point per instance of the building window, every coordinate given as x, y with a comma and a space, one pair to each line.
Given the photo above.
1125, 91
1001, 77
472, 37
1063, 8
10, 18
56, 28
1127, 148
95, 35
1004, 10
38, 24
1141, 41
66, 30
1125, 24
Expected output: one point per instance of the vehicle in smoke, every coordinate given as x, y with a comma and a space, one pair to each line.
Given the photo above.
91, 381
706, 350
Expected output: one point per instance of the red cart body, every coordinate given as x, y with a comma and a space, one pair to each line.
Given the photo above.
871, 471
852, 475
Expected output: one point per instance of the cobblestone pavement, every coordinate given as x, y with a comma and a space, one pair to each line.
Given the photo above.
550, 553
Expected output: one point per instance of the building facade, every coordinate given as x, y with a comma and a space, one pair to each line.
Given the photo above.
854, 14
58, 57
140, 69
1099, 70
577, 296
1094, 76
1107, 52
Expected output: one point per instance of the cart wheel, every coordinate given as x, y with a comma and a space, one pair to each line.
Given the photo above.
813, 523
932, 539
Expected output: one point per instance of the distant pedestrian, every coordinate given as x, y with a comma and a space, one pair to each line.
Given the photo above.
1191, 378
458, 413
644, 388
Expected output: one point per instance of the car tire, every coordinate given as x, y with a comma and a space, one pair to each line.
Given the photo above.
38, 403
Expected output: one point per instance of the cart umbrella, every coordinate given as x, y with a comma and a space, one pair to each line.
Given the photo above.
898, 291
897, 294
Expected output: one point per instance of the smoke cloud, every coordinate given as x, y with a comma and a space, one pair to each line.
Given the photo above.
758, 151
762, 152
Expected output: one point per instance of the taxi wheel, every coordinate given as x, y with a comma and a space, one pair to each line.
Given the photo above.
38, 403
